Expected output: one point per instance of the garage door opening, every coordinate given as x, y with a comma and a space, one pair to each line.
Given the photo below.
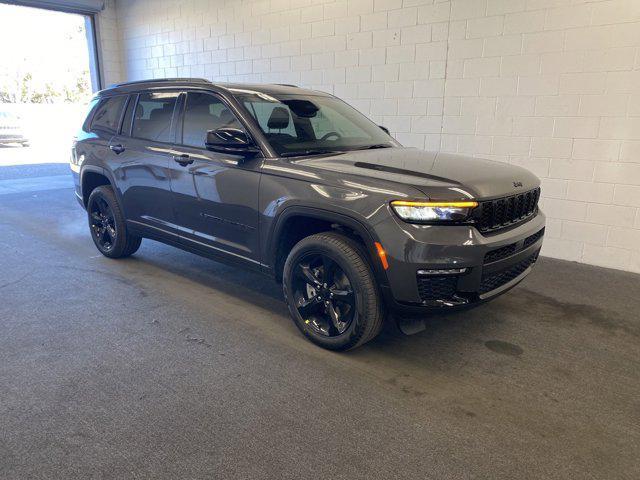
48, 74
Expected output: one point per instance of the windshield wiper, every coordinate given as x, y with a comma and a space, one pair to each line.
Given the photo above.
311, 151
374, 146
322, 151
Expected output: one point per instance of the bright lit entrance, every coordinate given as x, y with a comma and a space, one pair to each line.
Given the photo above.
48, 73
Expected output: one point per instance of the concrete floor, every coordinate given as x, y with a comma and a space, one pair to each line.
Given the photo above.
167, 365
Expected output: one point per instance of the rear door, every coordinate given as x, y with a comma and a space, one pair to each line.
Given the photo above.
215, 194
94, 147
142, 151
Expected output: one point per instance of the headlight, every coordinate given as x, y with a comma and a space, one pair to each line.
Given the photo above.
432, 211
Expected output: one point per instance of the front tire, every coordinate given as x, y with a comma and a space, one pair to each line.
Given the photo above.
331, 292
108, 226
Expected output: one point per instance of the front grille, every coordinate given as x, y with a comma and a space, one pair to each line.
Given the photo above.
503, 212
436, 288
497, 279
512, 248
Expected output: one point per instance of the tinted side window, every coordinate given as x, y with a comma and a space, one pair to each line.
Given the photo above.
91, 107
205, 112
153, 116
128, 116
107, 116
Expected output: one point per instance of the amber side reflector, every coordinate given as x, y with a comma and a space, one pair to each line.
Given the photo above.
402, 203
383, 255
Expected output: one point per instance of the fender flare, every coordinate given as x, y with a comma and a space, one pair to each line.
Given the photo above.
368, 236
102, 171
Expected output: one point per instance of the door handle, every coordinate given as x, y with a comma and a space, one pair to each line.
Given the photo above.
183, 159
117, 149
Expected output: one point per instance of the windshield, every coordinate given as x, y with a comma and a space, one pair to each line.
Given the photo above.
308, 124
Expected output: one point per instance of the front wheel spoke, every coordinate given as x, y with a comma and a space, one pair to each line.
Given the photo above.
96, 217
307, 306
344, 296
307, 275
335, 318
327, 270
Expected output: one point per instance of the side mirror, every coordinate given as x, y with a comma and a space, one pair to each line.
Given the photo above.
385, 129
230, 140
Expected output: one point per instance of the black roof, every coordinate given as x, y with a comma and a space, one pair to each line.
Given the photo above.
275, 89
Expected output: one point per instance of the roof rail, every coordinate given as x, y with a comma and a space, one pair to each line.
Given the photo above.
159, 80
286, 85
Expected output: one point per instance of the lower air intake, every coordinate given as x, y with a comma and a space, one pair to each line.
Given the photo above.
497, 279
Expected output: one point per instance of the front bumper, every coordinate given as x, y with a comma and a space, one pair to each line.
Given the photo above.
436, 267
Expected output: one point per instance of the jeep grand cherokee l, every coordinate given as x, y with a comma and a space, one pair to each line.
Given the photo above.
298, 185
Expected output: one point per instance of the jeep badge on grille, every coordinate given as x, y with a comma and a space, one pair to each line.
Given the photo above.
517, 184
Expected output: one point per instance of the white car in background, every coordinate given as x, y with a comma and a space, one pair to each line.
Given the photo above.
11, 130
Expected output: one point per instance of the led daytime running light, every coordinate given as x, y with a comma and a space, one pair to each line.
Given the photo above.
403, 203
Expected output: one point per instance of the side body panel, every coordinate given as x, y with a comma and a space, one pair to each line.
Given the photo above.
88, 150
215, 195
142, 175
288, 190
215, 201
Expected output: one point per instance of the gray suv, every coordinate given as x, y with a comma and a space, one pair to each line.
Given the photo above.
298, 185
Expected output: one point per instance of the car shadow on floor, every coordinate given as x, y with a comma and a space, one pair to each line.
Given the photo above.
263, 292
531, 315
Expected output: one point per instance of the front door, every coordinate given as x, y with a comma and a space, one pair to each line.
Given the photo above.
215, 195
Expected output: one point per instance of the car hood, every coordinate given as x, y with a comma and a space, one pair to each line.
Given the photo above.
431, 172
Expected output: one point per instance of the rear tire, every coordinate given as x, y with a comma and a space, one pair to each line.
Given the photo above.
331, 292
108, 226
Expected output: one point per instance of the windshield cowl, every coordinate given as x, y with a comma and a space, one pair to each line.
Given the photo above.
303, 153
322, 151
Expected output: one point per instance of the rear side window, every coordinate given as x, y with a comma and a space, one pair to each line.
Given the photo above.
107, 116
86, 126
205, 112
153, 116
128, 116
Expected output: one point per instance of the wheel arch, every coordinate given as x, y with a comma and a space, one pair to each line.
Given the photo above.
93, 176
332, 221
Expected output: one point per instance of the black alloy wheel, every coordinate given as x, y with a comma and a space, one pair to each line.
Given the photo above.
323, 294
108, 225
331, 291
102, 222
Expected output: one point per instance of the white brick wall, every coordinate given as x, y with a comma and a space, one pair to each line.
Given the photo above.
109, 44
552, 85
